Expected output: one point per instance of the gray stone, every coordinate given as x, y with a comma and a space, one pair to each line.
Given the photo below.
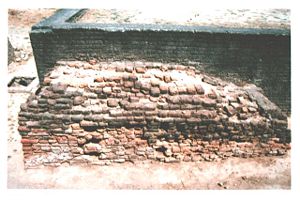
77, 118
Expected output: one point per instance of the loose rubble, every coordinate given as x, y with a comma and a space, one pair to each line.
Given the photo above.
103, 112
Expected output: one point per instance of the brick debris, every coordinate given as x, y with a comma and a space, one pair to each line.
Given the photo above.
103, 112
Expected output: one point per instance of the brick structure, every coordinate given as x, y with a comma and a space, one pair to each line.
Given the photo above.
102, 112
260, 56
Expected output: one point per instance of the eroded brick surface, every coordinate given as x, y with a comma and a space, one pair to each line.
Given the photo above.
98, 113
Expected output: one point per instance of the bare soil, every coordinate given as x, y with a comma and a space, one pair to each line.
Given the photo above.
19, 26
232, 18
233, 173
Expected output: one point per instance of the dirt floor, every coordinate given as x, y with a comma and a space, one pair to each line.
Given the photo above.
19, 25
233, 18
233, 173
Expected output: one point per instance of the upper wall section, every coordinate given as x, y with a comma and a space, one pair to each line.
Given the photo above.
260, 56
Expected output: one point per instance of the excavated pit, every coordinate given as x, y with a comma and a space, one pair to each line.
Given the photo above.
102, 112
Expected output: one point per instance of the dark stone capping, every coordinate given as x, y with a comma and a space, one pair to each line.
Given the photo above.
259, 56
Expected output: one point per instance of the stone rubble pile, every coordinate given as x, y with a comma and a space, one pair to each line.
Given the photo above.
102, 112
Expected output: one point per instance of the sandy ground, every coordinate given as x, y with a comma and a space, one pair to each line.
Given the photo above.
234, 18
19, 25
233, 173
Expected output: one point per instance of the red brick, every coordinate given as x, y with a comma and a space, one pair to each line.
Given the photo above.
43, 142
112, 103
199, 89
88, 124
47, 80
207, 102
159, 76
163, 113
78, 100
99, 79
107, 90
181, 89
76, 126
154, 82
155, 91
62, 139
146, 86
29, 141
244, 110
70, 137
140, 69
213, 95
92, 61
128, 84
38, 130
167, 78
23, 129
230, 110
175, 149
129, 69
175, 113
81, 141
174, 99
191, 89
92, 148
27, 148
186, 114
163, 89
173, 90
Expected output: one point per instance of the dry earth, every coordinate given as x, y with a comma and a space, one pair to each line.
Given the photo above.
233, 18
234, 173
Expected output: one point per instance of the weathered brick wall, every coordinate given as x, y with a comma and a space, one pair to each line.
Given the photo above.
100, 113
258, 56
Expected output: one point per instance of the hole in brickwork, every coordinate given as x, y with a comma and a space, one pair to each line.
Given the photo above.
92, 154
94, 140
90, 128
161, 149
